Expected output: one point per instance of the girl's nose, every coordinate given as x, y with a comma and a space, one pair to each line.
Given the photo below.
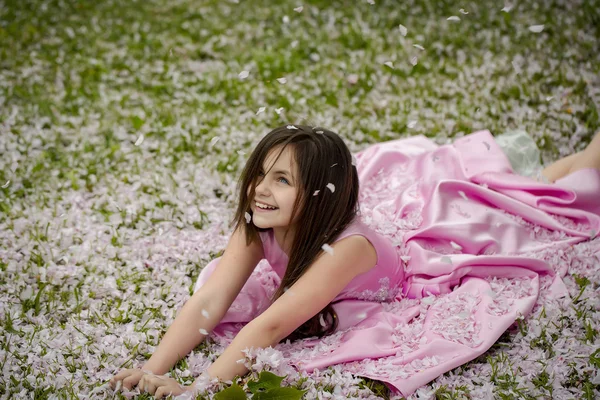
262, 187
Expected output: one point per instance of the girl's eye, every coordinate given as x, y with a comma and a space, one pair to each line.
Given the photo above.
285, 181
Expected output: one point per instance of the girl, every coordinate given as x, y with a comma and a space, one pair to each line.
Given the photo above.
436, 263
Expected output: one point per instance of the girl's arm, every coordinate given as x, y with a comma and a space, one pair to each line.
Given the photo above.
319, 285
215, 296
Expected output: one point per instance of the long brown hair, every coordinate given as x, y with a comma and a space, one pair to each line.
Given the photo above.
321, 158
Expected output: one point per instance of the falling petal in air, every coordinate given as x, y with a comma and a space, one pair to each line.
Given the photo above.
462, 11
248, 217
453, 18
203, 331
414, 60
322, 321
507, 8
279, 110
536, 28
260, 110
411, 124
139, 140
403, 30
418, 46
214, 141
244, 74
389, 64
204, 313
6, 184
282, 80
299, 9
354, 160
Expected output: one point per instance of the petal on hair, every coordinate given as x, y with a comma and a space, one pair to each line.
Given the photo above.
248, 217
331, 187
316, 192
319, 132
327, 248
291, 127
322, 321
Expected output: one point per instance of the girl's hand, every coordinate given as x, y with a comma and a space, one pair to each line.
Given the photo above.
129, 378
161, 386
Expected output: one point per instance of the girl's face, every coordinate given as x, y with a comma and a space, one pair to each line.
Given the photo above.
278, 189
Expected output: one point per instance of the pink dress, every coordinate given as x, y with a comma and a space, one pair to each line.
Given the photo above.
464, 247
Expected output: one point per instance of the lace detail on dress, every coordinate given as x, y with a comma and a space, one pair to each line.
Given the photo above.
384, 293
453, 318
505, 291
386, 368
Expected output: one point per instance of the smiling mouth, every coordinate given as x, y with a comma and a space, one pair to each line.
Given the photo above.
264, 207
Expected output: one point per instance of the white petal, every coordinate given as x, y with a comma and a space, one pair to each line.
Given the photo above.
244, 74
260, 110
322, 321
291, 127
507, 8
282, 80
389, 64
354, 160
456, 245
403, 30
536, 28
203, 331
446, 260
462, 11
6, 184
316, 192
463, 195
327, 248
418, 46
319, 132
299, 9
248, 217
331, 187
118, 387
240, 361
214, 140
139, 140
414, 60
204, 313
286, 19
241, 152
362, 315
279, 110
454, 18
411, 124
352, 79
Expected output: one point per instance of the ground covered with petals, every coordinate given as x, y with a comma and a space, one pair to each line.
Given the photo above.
124, 125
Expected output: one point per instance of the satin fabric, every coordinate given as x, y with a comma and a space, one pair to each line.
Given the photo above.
463, 245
